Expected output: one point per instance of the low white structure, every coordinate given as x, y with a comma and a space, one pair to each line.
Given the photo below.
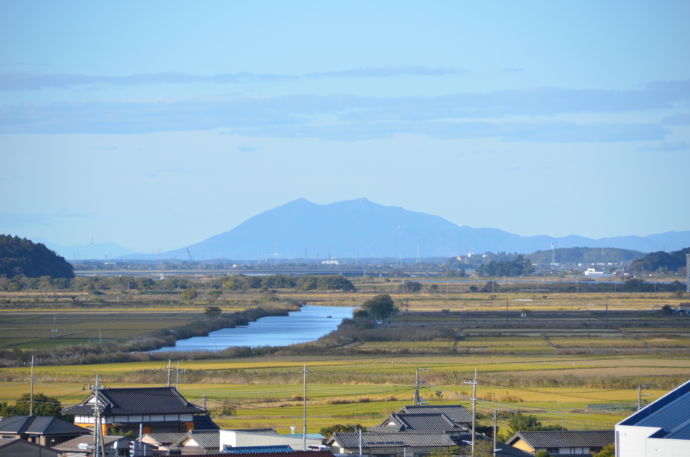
661, 429
249, 438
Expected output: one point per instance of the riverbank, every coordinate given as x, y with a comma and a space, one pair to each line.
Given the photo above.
132, 348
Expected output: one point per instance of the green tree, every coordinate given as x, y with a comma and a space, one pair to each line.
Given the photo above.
43, 406
212, 312
543, 453
519, 422
189, 294
341, 428
380, 306
607, 451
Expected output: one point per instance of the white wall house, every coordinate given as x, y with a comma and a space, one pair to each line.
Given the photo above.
661, 429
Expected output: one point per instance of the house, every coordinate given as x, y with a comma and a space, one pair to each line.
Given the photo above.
660, 429
162, 441
562, 443
229, 439
198, 442
270, 454
392, 444
157, 409
427, 422
21, 448
43, 430
82, 446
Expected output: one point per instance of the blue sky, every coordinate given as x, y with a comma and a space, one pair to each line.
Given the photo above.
158, 124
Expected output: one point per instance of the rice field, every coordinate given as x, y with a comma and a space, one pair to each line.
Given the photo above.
268, 391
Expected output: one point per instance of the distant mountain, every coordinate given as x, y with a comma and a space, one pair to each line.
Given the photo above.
584, 255
89, 251
361, 228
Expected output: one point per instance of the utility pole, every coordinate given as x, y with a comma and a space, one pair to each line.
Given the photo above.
304, 430
31, 395
177, 375
97, 420
495, 429
639, 396
359, 433
169, 372
473, 382
417, 400
607, 312
204, 401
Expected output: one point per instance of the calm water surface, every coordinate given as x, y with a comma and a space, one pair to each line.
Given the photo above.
308, 324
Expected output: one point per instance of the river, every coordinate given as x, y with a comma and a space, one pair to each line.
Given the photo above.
308, 324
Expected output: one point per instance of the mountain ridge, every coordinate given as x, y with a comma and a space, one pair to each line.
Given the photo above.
360, 228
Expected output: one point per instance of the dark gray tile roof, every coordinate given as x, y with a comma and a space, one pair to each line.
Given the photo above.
163, 438
207, 439
670, 413
23, 447
138, 400
272, 454
376, 439
562, 438
40, 425
427, 422
73, 444
204, 422
456, 413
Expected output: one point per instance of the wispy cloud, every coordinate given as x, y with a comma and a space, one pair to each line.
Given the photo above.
386, 72
8, 218
672, 146
37, 81
677, 119
352, 117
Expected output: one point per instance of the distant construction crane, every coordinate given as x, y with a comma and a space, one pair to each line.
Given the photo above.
189, 254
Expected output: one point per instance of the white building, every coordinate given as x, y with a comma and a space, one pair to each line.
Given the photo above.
661, 429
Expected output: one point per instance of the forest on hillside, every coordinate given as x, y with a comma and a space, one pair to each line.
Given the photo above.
22, 257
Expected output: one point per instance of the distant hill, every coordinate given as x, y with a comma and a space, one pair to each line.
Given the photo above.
655, 261
584, 255
361, 228
19, 256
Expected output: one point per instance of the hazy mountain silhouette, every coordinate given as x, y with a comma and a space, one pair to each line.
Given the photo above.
361, 228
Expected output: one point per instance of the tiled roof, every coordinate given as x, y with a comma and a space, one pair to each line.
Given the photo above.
670, 413
204, 422
40, 425
562, 438
165, 438
20, 447
376, 439
257, 449
272, 454
427, 422
138, 400
456, 413
73, 444
207, 439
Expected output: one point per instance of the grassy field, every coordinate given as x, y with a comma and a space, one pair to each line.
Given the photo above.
267, 391
565, 361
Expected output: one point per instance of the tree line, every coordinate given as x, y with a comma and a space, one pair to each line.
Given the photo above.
519, 266
228, 282
22, 257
